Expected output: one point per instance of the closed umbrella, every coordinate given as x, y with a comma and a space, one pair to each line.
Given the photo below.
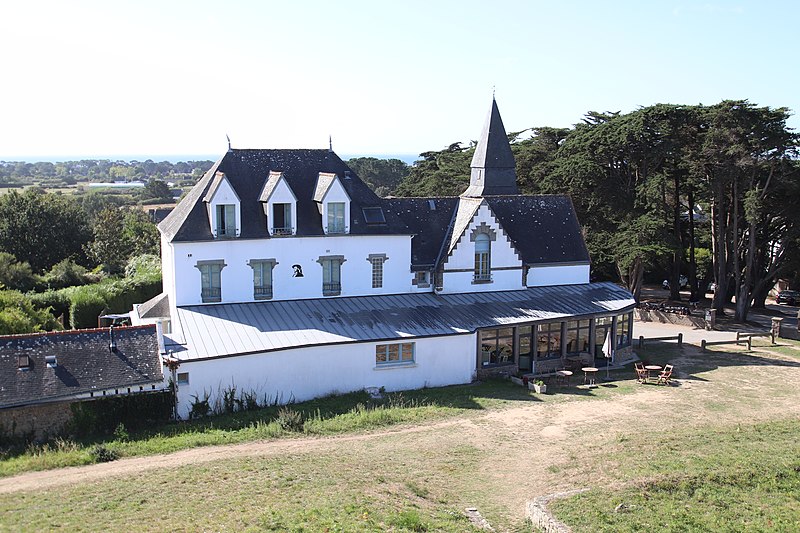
607, 352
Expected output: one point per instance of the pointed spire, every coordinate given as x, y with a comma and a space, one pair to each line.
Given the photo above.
330, 143
493, 166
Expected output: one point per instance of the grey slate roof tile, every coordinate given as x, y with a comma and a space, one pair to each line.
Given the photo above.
84, 363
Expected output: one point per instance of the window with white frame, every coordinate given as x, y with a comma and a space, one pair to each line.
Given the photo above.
483, 249
281, 219
183, 378
377, 261
226, 221
331, 274
210, 280
336, 217
262, 278
392, 354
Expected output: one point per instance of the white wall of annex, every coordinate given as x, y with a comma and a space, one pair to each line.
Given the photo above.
306, 373
224, 195
542, 276
237, 276
463, 259
336, 193
282, 194
167, 269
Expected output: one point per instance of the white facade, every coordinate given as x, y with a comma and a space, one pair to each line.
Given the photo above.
505, 264
546, 275
182, 278
306, 373
282, 194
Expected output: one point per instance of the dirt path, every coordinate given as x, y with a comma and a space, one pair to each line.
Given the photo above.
549, 425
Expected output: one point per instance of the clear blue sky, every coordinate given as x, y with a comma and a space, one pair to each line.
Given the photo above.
88, 78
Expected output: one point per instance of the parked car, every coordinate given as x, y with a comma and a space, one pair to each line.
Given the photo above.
788, 297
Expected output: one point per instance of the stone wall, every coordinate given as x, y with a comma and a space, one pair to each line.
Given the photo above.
35, 422
502, 371
669, 318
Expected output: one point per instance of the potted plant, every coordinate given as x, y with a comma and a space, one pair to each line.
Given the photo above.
538, 386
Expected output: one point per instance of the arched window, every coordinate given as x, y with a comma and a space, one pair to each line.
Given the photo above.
483, 258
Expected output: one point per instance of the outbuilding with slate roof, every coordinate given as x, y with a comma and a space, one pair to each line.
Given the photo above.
41, 374
287, 276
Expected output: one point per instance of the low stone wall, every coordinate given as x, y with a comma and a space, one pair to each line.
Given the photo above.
35, 422
669, 318
502, 371
542, 519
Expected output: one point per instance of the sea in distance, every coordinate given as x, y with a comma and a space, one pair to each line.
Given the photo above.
407, 158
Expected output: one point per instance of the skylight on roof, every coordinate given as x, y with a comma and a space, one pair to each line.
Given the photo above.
373, 215
23, 362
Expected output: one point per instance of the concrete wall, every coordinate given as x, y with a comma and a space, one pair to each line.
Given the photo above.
237, 276
307, 373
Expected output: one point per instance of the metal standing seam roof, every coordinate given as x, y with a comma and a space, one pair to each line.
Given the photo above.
222, 330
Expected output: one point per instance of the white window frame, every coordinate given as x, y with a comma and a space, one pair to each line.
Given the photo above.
377, 261
210, 293
336, 215
331, 274
262, 291
226, 221
286, 229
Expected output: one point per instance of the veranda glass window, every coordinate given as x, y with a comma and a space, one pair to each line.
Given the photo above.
497, 346
623, 332
548, 341
578, 337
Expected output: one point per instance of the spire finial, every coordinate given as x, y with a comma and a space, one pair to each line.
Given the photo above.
330, 143
229, 142
492, 92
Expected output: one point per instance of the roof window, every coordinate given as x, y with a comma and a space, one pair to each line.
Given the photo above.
24, 362
373, 215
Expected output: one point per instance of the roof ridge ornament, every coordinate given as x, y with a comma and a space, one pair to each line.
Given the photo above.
229, 142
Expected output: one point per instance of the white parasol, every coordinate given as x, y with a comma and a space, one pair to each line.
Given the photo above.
607, 351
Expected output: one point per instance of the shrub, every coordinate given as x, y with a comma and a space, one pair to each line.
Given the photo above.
102, 454
19, 315
200, 408
121, 414
85, 307
56, 301
67, 273
289, 419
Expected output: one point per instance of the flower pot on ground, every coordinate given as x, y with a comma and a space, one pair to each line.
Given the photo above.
517, 381
538, 387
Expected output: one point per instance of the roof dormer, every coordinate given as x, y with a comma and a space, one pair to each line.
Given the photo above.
224, 208
333, 203
280, 205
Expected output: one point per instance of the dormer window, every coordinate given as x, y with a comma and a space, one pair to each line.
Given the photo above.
279, 203
333, 203
223, 205
336, 217
281, 219
226, 220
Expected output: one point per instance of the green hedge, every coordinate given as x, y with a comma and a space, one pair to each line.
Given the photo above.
118, 295
58, 302
135, 411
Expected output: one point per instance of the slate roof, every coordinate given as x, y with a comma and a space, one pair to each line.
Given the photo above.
84, 364
156, 307
239, 329
428, 220
248, 170
493, 168
544, 228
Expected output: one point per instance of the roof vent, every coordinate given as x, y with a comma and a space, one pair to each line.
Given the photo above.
432, 205
112, 344
347, 174
50, 360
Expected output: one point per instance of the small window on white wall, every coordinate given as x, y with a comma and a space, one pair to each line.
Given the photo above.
392, 354
183, 378
377, 261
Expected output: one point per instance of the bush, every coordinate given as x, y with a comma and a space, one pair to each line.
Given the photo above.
67, 274
101, 454
85, 307
19, 315
120, 414
289, 419
57, 302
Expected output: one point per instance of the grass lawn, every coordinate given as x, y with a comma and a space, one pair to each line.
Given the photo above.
718, 452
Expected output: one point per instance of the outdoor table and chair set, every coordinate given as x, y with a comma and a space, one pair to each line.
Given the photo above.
653, 373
